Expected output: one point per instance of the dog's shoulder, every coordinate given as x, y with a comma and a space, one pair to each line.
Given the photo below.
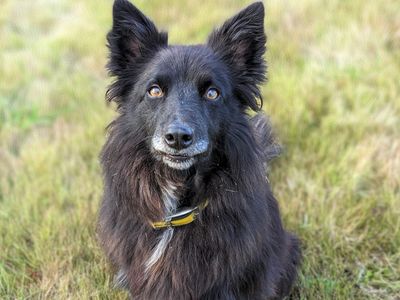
264, 135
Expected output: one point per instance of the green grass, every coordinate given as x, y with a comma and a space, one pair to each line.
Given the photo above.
334, 98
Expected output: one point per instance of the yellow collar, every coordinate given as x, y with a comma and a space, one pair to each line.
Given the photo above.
182, 217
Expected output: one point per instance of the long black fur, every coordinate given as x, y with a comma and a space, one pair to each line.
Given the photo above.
238, 249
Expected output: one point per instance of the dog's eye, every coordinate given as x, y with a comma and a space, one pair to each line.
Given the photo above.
212, 94
155, 91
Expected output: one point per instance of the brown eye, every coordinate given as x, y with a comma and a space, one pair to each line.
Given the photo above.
212, 94
155, 91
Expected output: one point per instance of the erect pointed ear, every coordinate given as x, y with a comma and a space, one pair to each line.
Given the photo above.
133, 38
240, 43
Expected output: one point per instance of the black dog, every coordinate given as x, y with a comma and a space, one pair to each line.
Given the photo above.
187, 211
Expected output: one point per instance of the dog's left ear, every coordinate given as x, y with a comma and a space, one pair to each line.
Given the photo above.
240, 43
133, 37
133, 41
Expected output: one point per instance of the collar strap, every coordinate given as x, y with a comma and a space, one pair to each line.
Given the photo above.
184, 216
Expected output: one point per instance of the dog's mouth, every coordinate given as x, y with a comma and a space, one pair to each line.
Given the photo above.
179, 162
176, 158
176, 161
181, 159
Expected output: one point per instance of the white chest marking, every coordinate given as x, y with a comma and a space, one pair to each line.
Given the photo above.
170, 202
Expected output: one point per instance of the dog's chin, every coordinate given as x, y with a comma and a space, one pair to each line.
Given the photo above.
179, 163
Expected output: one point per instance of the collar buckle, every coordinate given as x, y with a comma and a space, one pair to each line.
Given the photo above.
182, 217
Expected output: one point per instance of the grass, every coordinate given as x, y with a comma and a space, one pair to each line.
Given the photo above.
333, 95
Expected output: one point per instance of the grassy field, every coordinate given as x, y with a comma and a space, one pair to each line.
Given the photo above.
333, 95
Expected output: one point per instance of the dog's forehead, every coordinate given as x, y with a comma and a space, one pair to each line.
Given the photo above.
184, 56
189, 62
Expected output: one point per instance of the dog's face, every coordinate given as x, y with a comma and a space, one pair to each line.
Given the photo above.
184, 92
185, 98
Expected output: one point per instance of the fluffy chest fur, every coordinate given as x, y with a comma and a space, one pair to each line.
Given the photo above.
228, 253
170, 200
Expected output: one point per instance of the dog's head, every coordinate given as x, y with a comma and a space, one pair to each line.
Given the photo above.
185, 99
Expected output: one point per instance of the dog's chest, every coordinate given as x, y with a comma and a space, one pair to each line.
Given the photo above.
170, 202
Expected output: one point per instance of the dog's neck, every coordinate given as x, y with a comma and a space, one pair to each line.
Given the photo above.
177, 189
169, 197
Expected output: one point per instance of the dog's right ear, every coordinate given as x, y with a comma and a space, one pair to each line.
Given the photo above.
240, 42
133, 40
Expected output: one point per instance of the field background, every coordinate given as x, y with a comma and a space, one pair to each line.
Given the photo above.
333, 95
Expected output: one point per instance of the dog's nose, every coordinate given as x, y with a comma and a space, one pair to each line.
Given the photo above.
178, 136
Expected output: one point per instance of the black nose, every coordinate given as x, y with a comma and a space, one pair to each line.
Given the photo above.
178, 136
